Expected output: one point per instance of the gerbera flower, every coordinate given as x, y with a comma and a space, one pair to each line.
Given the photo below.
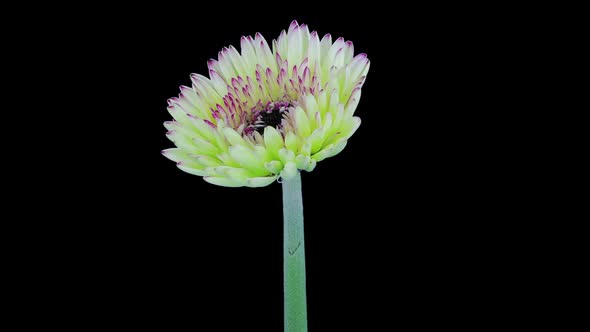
264, 113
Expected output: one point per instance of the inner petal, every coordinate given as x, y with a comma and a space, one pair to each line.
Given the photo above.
271, 115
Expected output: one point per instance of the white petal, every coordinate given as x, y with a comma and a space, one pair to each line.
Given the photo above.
313, 51
325, 45
248, 54
280, 45
265, 56
218, 82
358, 65
223, 66
348, 52
305, 37
205, 89
334, 49
237, 61
338, 59
294, 25
295, 46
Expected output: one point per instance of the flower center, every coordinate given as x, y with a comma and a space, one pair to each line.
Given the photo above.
271, 115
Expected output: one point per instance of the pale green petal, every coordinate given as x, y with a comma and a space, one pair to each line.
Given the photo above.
175, 155
227, 160
292, 142
273, 140
203, 129
311, 166
222, 181
239, 174
316, 139
339, 147
246, 158
351, 126
202, 146
220, 141
191, 168
323, 101
306, 149
208, 161
179, 115
324, 153
302, 161
328, 124
286, 155
258, 139
289, 171
312, 109
275, 166
234, 138
334, 100
337, 119
352, 103
260, 181
262, 154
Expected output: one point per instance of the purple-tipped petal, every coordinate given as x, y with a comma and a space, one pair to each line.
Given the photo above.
294, 25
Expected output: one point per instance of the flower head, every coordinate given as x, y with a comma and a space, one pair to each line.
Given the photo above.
264, 113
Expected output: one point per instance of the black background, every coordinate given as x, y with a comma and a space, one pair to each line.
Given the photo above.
397, 226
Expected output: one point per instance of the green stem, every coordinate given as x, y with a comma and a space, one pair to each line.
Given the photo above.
294, 257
